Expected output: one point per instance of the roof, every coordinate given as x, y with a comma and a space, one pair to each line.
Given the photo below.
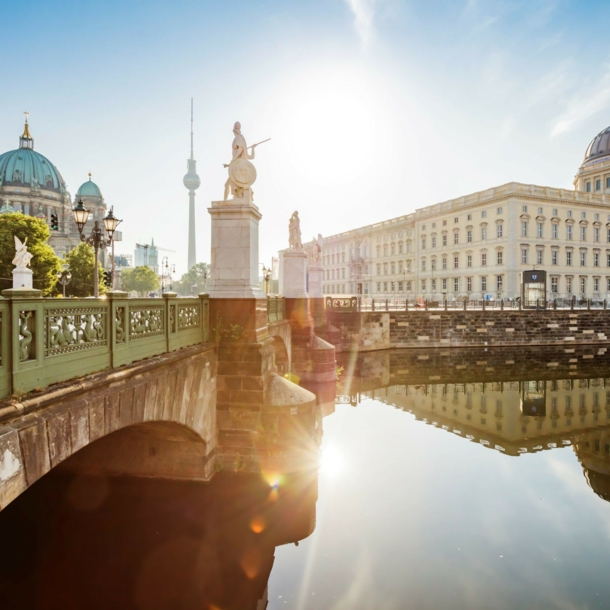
26, 167
89, 189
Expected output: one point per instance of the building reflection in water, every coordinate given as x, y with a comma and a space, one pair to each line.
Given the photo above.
511, 401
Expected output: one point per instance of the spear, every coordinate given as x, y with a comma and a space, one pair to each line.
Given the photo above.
253, 145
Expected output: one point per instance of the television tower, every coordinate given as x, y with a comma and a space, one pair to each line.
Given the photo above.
192, 183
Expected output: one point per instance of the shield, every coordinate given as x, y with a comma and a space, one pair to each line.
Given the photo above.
242, 172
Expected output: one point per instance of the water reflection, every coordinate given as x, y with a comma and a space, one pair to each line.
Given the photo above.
512, 401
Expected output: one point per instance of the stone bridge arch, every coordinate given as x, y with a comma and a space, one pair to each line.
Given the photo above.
281, 334
158, 417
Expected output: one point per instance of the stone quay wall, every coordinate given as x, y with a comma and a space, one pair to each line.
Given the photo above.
374, 331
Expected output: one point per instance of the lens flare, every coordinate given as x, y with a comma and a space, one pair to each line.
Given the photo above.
257, 525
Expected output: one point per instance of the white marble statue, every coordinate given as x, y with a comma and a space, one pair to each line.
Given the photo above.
242, 173
294, 229
22, 256
315, 253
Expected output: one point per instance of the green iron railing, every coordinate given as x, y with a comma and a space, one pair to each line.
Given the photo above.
46, 341
276, 309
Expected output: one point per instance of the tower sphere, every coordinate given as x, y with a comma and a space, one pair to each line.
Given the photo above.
191, 181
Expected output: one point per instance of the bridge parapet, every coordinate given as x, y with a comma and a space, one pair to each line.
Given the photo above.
276, 309
46, 341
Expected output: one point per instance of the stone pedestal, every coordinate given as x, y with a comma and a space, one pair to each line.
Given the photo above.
234, 261
22, 278
293, 274
316, 275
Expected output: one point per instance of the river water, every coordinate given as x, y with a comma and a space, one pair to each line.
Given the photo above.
447, 479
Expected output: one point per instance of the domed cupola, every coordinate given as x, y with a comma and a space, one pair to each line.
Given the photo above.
599, 147
24, 167
89, 189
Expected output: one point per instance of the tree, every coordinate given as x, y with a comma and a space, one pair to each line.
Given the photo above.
81, 261
142, 280
44, 265
195, 281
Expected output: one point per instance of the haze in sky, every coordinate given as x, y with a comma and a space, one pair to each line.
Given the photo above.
375, 107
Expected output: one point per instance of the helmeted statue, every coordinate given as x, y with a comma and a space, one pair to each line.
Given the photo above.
242, 173
294, 229
22, 256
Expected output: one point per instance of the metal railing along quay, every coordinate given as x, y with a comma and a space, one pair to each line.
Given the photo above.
368, 304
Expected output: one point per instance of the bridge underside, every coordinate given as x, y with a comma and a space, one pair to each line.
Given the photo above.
154, 419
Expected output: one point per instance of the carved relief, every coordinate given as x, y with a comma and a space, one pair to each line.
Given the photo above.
145, 322
26, 328
188, 316
73, 330
119, 335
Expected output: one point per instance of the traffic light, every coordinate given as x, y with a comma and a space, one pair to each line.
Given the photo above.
108, 279
54, 222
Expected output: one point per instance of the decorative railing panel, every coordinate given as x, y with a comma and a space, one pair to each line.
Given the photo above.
146, 321
73, 330
188, 316
46, 341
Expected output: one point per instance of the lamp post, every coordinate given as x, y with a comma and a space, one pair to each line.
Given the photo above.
97, 239
266, 278
166, 273
64, 276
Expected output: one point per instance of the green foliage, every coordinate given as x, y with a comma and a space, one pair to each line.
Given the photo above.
194, 282
142, 280
44, 264
81, 261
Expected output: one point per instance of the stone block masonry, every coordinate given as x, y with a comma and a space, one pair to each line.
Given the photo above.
374, 331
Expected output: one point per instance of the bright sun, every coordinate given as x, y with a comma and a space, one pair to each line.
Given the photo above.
331, 461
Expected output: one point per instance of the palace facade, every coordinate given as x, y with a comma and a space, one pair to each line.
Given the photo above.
478, 246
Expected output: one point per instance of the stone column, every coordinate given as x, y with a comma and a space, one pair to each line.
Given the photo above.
316, 296
234, 261
293, 274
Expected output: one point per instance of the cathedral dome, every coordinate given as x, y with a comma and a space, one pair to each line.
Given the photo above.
89, 189
25, 167
600, 146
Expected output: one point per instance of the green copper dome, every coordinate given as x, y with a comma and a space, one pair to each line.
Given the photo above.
89, 189
25, 167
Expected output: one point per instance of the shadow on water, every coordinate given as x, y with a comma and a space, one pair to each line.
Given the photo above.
90, 542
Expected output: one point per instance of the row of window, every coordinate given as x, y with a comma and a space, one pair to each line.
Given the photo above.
569, 231
331, 274
444, 284
569, 260
598, 184
582, 283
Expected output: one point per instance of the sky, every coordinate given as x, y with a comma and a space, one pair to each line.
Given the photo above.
374, 107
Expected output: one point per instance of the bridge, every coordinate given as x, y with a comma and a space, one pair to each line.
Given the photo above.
144, 387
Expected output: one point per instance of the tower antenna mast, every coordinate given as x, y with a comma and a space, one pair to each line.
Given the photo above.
192, 128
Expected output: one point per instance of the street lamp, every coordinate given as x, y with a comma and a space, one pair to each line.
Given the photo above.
166, 273
64, 276
97, 239
266, 278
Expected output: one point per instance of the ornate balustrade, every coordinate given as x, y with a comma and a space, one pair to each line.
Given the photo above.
276, 309
46, 341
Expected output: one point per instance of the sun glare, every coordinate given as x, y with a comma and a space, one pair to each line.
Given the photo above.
331, 461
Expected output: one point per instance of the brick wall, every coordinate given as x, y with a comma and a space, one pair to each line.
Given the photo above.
367, 331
